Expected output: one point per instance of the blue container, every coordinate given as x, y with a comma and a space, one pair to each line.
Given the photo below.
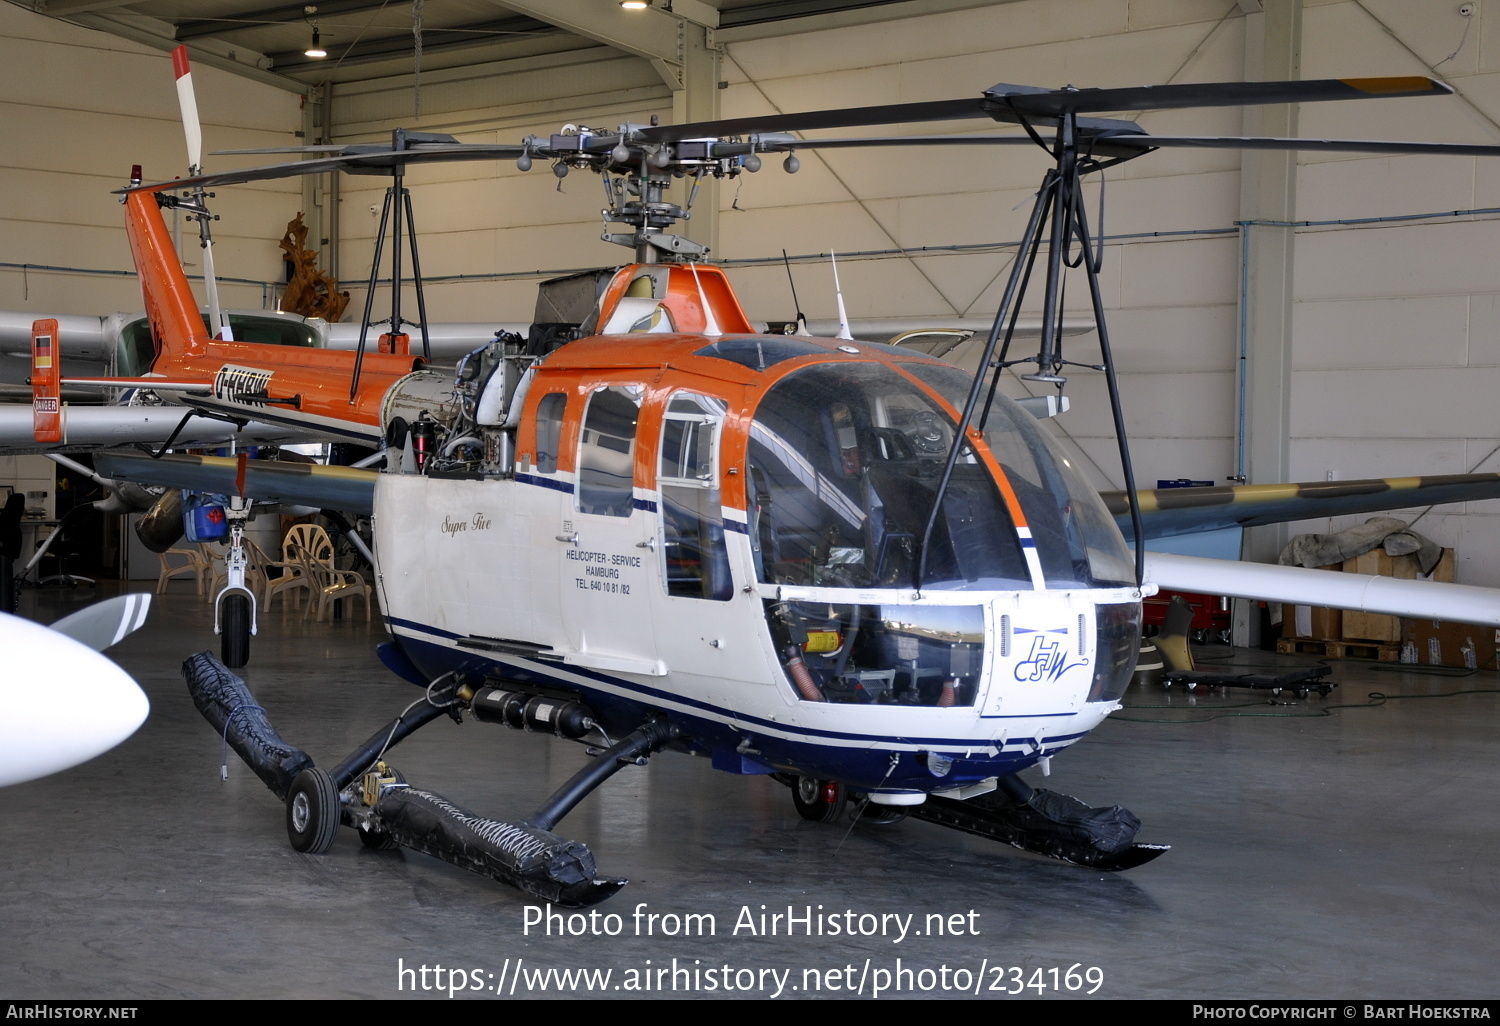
203, 517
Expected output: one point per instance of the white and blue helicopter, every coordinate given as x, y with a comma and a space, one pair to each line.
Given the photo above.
647, 526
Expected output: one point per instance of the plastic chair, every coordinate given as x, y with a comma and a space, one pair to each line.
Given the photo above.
336, 585
312, 540
193, 564
330, 584
294, 576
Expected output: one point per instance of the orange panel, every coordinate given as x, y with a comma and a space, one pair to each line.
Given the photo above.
46, 382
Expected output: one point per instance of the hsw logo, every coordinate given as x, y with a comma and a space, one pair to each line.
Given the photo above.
1048, 659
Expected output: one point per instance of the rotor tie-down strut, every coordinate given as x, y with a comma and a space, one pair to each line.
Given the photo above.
526, 855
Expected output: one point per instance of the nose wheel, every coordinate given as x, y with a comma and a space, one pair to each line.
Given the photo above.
234, 629
819, 801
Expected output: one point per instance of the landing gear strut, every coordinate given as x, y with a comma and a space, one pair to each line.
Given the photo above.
363, 793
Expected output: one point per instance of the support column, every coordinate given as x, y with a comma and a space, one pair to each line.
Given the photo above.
314, 187
696, 98
1268, 192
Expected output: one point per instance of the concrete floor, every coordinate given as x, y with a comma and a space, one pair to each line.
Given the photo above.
1349, 855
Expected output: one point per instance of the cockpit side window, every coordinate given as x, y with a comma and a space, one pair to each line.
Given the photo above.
844, 464
694, 557
606, 451
549, 422
1076, 539
136, 349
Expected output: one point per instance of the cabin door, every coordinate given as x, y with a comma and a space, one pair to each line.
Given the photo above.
605, 543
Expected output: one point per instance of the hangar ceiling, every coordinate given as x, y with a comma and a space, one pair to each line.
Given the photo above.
370, 39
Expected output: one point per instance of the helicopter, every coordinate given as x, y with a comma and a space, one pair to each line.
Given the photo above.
648, 527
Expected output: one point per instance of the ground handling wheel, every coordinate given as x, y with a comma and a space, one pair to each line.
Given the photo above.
820, 801
312, 812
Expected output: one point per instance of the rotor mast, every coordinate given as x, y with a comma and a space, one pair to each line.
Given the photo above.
637, 171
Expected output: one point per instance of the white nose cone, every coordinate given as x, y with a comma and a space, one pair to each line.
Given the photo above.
61, 703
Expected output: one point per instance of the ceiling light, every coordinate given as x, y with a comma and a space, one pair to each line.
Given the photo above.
635, 5
316, 49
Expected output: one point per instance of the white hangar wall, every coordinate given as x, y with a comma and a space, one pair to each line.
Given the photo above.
1396, 342
1395, 332
79, 108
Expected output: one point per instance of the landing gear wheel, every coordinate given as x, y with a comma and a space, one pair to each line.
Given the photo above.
312, 812
376, 840
820, 801
234, 631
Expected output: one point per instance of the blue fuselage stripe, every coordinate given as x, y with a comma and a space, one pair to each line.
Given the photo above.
719, 712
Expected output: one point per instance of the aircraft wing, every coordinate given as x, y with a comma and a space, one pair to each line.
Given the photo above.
88, 428
297, 484
1426, 600
1166, 512
450, 342
1169, 512
83, 335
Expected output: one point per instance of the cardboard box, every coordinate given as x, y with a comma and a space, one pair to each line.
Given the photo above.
1443, 643
1316, 622
1378, 627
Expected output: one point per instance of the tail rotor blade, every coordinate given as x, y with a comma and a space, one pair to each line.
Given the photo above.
188, 102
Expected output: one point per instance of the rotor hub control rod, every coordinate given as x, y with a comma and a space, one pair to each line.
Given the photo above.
644, 741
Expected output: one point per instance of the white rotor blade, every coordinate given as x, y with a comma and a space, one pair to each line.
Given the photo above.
1428, 600
106, 623
189, 104
217, 319
61, 703
838, 294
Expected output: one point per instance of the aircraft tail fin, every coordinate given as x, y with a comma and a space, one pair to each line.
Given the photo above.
176, 325
46, 382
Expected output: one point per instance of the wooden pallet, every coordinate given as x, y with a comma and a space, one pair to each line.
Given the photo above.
1342, 649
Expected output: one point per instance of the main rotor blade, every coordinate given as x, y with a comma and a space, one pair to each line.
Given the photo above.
1011, 102
1026, 101
785, 145
380, 160
1142, 142
848, 117
1320, 145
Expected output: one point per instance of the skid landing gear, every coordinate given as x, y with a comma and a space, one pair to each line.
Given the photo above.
364, 793
1047, 823
1043, 822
